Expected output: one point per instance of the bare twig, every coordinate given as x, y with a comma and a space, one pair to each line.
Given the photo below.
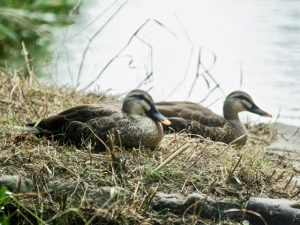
280, 176
209, 93
295, 194
75, 7
247, 211
68, 66
132, 37
241, 75
173, 156
278, 115
194, 207
189, 58
235, 167
294, 134
186, 34
94, 36
148, 199
185, 73
96, 18
27, 61
271, 176
148, 74
206, 71
288, 182
197, 73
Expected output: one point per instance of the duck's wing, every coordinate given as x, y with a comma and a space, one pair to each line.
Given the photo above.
221, 134
190, 111
80, 114
95, 130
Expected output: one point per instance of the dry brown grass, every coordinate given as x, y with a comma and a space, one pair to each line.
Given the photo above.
214, 169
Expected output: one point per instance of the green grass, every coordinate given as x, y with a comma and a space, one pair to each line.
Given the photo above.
4, 201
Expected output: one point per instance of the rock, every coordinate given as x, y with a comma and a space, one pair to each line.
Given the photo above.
209, 208
170, 202
60, 192
194, 204
274, 211
105, 196
16, 183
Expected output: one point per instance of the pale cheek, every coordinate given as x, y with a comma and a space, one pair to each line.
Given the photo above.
141, 110
138, 109
238, 107
146, 106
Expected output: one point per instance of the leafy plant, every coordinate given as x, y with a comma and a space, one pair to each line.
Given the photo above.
30, 22
4, 201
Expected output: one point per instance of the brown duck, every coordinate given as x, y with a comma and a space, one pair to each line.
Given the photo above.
138, 123
199, 120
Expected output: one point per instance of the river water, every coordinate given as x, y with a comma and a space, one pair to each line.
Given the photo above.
251, 45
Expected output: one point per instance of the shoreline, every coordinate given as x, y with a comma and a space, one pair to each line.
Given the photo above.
288, 138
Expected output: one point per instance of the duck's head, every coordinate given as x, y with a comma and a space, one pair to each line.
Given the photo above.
239, 101
139, 102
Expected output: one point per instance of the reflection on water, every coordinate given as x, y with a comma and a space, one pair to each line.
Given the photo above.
257, 45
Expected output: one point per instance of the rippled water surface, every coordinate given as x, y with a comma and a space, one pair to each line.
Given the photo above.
256, 44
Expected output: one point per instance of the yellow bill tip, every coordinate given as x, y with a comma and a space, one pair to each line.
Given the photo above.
267, 115
166, 122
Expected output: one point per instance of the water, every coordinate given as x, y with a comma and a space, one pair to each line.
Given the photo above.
258, 39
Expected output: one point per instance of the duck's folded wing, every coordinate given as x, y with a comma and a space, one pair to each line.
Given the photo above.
193, 127
221, 134
95, 130
191, 111
81, 114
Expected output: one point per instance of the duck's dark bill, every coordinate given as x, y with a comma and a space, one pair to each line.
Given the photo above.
154, 114
260, 112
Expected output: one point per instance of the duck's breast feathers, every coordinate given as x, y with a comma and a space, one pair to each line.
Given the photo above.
140, 130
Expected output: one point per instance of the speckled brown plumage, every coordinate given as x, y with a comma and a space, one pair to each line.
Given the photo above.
200, 120
94, 123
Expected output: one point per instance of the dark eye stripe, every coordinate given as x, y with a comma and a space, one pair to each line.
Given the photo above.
247, 100
243, 98
145, 99
149, 102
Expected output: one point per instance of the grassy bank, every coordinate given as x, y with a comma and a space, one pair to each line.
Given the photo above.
214, 169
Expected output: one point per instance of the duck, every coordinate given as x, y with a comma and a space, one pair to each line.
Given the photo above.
137, 123
199, 120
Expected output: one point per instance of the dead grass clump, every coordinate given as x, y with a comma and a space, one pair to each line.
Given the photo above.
194, 164
25, 101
